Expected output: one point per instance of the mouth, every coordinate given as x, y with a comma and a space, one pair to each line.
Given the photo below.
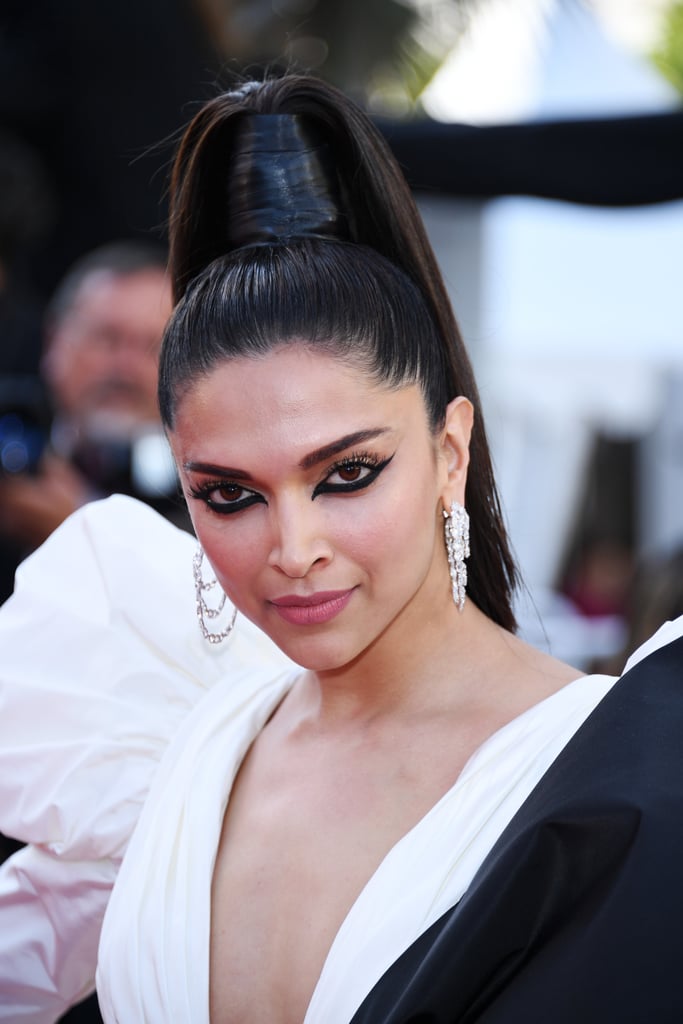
312, 609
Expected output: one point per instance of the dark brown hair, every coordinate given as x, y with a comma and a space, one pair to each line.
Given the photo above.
377, 298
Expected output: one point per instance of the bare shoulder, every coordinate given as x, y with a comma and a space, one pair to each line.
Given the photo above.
544, 662
510, 675
539, 671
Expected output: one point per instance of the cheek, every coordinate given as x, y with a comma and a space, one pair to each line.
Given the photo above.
92, 366
414, 529
237, 552
362, 539
394, 537
148, 379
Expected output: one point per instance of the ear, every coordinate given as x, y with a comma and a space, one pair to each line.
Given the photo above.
454, 449
50, 355
48, 361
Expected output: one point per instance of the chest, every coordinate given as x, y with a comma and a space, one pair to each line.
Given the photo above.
301, 838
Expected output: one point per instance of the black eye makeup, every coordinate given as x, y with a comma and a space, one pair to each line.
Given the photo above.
353, 472
225, 496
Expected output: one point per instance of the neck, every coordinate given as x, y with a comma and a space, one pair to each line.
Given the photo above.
409, 670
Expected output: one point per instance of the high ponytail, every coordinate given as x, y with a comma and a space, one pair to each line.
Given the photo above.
317, 236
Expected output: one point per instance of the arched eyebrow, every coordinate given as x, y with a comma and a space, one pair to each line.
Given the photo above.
328, 451
314, 458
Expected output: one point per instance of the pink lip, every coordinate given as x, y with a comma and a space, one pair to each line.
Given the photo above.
312, 609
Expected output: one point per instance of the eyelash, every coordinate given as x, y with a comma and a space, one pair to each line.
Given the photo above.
357, 460
362, 460
224, 508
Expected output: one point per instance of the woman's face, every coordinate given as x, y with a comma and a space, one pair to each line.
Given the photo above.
317, 495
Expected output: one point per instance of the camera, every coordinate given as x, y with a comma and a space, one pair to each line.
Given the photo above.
24, 424
136, 462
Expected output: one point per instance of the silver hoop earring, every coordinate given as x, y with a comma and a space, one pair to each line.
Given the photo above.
204, 612
457, 533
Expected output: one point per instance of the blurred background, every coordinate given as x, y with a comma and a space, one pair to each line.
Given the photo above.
544, 141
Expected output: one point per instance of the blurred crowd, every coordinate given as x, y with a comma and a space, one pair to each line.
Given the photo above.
84, 423
88, 111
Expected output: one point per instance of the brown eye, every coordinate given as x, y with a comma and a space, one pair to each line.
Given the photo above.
229, 492
354, 475
350, 472
225, 497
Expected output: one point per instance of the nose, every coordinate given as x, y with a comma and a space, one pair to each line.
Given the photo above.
299, 538
133, 349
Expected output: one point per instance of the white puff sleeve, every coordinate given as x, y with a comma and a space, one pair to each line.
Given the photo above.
101, 661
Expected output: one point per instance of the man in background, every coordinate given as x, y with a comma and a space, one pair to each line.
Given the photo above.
103, 332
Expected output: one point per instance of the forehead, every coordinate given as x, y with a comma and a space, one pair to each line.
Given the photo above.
140, 292
292, 396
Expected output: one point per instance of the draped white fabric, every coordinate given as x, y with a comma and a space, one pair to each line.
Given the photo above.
154, 963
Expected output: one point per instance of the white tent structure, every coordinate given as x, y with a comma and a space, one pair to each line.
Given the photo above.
572, 313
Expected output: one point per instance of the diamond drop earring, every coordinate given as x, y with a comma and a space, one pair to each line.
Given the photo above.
204, 612
457, 533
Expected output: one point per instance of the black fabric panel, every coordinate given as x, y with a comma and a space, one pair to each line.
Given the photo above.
576, 916
624, 161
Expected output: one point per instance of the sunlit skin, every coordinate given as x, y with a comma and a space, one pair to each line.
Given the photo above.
401, 687
263, 431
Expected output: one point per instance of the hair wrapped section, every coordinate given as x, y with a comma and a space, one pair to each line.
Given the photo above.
281, 183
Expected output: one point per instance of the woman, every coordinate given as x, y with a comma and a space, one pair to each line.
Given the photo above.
411, 823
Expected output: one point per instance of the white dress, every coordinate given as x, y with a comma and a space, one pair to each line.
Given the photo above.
121, 731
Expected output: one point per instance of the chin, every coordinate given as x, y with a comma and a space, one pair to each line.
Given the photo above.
317, 648
320, 656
